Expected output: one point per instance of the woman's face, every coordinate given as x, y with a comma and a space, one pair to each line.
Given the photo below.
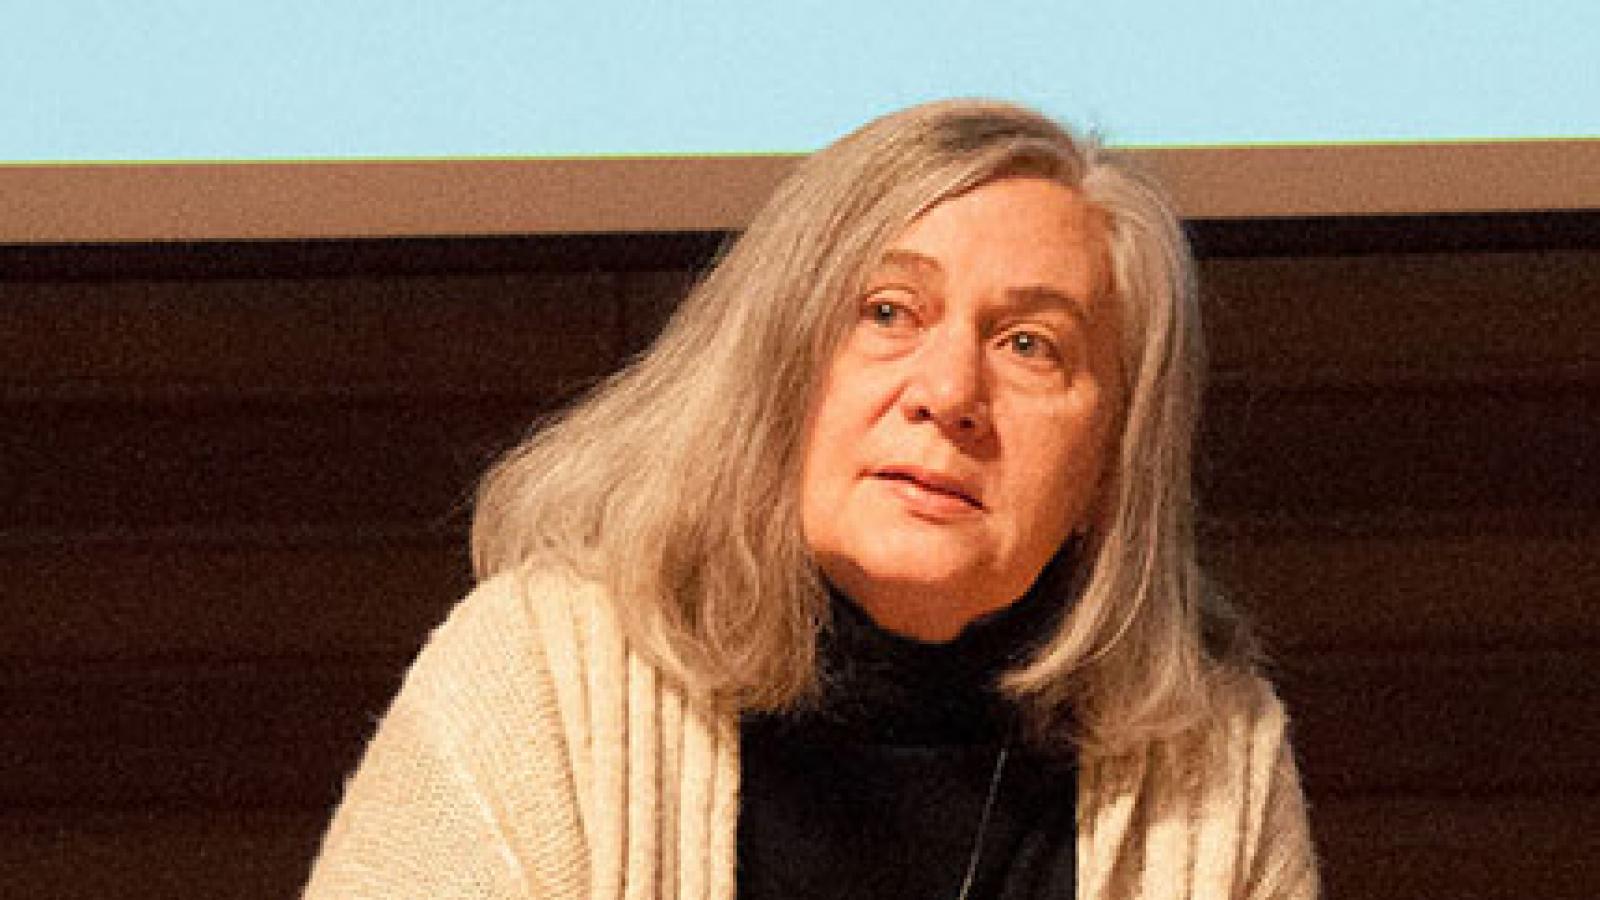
960, 432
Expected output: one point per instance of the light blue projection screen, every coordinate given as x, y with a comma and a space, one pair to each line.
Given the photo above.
318, 79
199, 119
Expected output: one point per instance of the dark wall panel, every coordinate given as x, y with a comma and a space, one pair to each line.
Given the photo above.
235, 482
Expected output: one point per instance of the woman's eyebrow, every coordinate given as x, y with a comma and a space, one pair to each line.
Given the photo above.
1031, 297
1026, 297
910, 260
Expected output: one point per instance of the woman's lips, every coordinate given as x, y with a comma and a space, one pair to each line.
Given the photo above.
931, 491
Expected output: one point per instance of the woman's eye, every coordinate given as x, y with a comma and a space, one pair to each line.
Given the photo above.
887, 313
883, 312
1029, 345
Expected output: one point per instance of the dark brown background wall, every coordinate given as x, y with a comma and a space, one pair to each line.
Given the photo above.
235, 481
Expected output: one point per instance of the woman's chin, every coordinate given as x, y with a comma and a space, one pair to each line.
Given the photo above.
924, 615
925, 605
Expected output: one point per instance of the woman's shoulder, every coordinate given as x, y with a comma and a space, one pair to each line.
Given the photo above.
1229, 787
1248, 711
524, 603
512, 628
1245, 754
489, 724
1237, 738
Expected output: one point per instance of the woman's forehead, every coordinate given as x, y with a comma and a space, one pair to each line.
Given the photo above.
1039, 236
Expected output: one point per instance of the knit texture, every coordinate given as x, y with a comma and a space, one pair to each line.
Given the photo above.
532, 754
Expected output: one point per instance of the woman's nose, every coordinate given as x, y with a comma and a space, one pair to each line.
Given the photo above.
947, 385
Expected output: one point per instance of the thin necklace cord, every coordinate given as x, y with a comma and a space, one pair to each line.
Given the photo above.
983, 821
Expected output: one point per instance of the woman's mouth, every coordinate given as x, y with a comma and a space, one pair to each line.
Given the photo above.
936, 485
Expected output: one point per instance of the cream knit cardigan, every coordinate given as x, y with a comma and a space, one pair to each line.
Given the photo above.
531, 754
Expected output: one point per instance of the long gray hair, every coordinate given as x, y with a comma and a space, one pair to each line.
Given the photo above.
675, 483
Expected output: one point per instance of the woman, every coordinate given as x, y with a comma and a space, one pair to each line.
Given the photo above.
874, 576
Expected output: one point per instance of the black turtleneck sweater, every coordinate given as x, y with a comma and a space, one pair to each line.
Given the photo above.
878, 792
